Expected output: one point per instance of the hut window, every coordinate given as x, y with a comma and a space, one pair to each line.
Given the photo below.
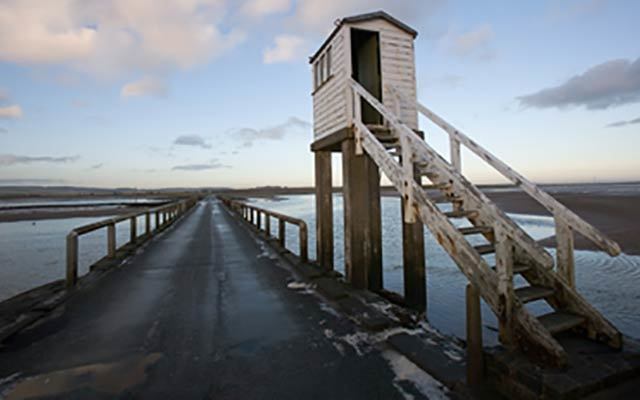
322, 69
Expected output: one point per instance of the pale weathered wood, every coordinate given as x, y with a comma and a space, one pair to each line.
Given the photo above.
362, 236
551, 204
456, 158
565, 262
504, 269
451, 175
324, 209
475, 357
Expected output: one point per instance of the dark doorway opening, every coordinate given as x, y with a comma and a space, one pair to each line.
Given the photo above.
365, 61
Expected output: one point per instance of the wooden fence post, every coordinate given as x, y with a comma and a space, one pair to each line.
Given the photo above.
134, 229
304, 250
281, 232
72, 259
259, 219
111, 240
157, 220
267, 224
147, 218
475, 362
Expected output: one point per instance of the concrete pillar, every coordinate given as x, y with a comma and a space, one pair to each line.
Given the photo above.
324, 210
362, 220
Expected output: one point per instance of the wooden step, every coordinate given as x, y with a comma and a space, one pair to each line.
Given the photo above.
560, 321
485, 249
438, 186
475, 230
528, 294
518, 268
448, 199
462, 214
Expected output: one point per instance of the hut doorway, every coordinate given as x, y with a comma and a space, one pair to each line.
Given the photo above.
365, 61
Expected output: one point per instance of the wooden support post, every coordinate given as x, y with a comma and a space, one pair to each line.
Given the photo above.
362, 220
413, 260
157, 220
72, 259
147, 220
565, 262
111, 240
324, 210
304, 243
134, 229
506, 295
259, 219
475, 361
267, 224
281, 232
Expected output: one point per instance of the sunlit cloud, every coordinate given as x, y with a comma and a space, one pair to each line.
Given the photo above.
11, 112
285, 49
147, 86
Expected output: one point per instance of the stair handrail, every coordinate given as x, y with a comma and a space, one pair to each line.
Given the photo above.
534, 250
557, 209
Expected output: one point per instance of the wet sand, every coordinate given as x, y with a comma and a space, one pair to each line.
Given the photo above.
617, 216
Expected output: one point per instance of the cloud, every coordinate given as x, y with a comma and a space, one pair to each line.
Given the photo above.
214, 164
147, 86
609, 84
475, 43
623, 123
110, 37
10, 112
4, 95
12, 159
249, 135
3, 130
97, 166
192, 140
286, 48
261, 8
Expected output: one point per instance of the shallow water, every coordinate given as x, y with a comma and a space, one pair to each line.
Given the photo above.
32, 253
612, 285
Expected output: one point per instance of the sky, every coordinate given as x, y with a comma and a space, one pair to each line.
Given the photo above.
202, 93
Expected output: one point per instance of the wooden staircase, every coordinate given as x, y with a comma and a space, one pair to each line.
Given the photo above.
472, 218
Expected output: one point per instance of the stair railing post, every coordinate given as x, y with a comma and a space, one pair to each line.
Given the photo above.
357, 116
408, 176
456, 159
506, 294
565, 262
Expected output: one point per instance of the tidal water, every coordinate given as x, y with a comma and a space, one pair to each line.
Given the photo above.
33, 253
612, 285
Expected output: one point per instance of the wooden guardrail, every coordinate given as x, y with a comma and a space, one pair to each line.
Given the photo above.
254, 215
164, 216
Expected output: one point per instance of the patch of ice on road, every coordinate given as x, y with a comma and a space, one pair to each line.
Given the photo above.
329, 310
299, 286
407, 371
453, 355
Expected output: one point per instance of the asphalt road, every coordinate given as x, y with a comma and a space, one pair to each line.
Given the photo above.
202, 312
